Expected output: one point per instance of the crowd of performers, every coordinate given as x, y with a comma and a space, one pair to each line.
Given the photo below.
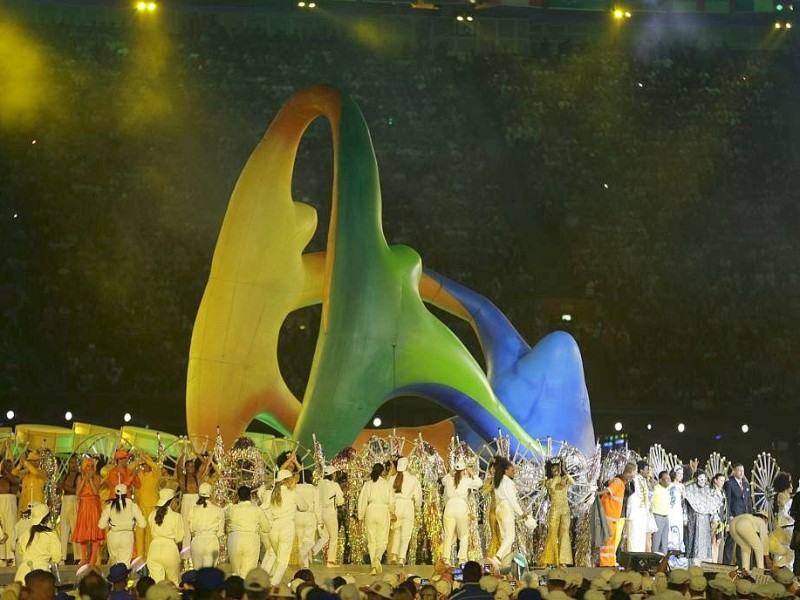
401, 510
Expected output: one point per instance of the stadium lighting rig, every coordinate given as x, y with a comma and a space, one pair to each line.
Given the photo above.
146, 7
621, 13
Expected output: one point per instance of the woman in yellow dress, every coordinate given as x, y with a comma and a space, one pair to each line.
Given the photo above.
557, 548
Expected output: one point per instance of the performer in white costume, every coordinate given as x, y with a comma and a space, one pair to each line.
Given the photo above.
69, 509
330, 498
507, 506
457, 486
306, 520
120, 517
407, 499
283, 506
247, 523
207, 525
166, 531
375, 507
638, 509
40, 546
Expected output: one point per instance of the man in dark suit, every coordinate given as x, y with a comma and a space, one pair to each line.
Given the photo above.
739, 502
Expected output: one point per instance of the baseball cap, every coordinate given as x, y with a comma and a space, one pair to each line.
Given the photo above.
724, 585
619, 579
744, 587
783, 576
118, 572
120, 489
205, 489
698, 584
600, 584
162, 591
678, 576
257, 580
329, 470
594, 595
557, 575
382, 589
209, 579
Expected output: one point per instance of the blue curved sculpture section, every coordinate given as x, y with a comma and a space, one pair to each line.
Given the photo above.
543, 388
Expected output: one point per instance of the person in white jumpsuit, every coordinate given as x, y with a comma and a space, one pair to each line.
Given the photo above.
507, 506
751, 535
457, 486
166, 531
247, 523
283, 506
120, 517
69, 509
306, 521
207, 525
330, 498
375, 508
39, 546
407, 499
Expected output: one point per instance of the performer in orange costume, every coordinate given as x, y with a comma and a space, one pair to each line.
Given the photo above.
87, 532
611, 498
120, 473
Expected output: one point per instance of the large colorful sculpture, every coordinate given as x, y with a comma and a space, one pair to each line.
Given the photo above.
377, 339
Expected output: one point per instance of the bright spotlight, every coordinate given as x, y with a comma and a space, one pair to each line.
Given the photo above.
618, 14
649, 426
312, 5
68, 416
470, 19
566, 317
788, 25
141, 6
778, 25
127, 417
460, 18
376, 422
779, 7
745, 428
151, 6
617, 426
628, 14
301, 5
10, 415
681, 427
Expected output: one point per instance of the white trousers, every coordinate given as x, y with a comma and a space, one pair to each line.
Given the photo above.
164, 561
120, 547
456, 523
243, 550
187, 502
505, 520
8, 519
281, 538
205, 550
329, 534
305, 528
376, 522
636, 523
66, 525
751, 538
403, 525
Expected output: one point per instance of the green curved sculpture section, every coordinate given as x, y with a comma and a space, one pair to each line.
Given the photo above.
376, 334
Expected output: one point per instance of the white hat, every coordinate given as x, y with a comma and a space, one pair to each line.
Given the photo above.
165, 496
283, 475
460, 465
402, 464
39, 513
204, 491
162, 591
329, 470
120, 489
